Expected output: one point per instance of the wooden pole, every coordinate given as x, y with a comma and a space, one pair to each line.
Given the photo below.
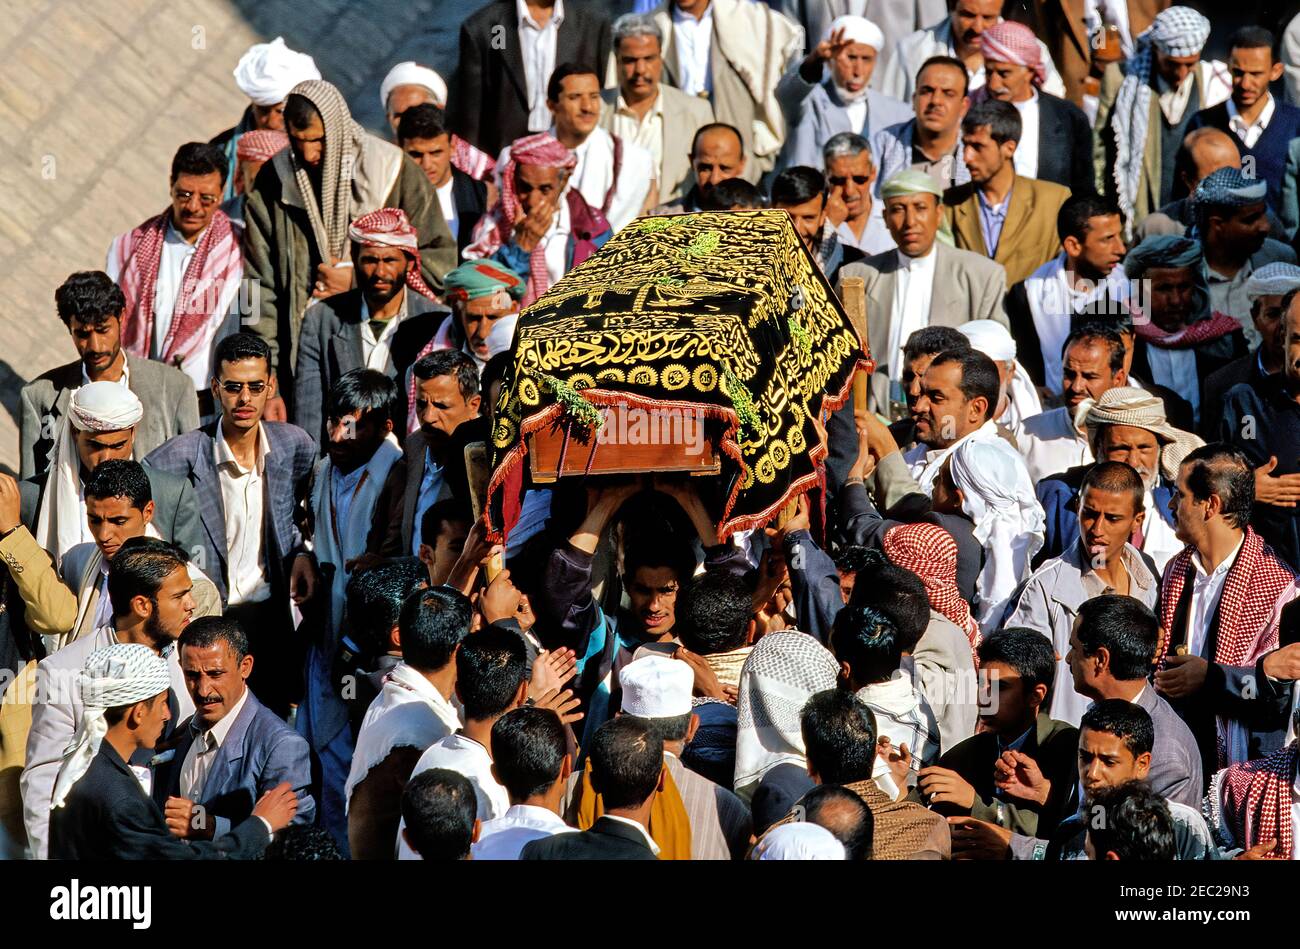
855, 305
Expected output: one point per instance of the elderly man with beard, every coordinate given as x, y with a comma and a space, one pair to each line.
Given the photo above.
1266, 289
1126, 424
817, 109
1263, 421
484, 298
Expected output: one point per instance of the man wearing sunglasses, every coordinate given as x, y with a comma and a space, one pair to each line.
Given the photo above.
248, 475
180, 272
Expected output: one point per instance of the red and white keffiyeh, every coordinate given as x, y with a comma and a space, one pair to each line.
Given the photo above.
1255, 801
542, 150
260, 145
136, 257
1010, 42
1246, 607
1191, 335
388, 227
930, 552
474, 162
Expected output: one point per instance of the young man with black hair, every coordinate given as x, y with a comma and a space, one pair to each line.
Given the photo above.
1101, 561
150, 590
1138, 826
627, 771
438, 814
249, 476
802, 191
1007, 218
92, 309
1041, 306
869, 648
839, 734
657, 693
413, 710
423, 134
1017, 666
447, 396
844, 814
444, 528
181, 272
654, 568
233, 749
1111, 653
1217, 602
531, 760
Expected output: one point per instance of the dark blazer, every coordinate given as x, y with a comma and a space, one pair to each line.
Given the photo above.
1053, 745
470, 197
1210, 358
258, 753
175, 509
1216, 386
1064, 145
415, 449
606, 840
291, 454
491, 63
107, 816
329, 345
170, 408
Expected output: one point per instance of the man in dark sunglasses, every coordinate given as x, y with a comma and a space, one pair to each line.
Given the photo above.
248, 474
850, 175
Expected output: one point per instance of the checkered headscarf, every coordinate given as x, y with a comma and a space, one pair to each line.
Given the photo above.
929, 551
342, 148
1177, 31
1010, 42
1226, 188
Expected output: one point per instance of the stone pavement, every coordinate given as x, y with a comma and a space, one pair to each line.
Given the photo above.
96, 96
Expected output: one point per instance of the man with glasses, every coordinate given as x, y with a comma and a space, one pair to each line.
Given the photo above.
181, 270
248, 475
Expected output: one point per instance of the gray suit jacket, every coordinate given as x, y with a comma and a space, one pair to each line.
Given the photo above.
1175, 759
329, 345
257, 753
683, 116
170, 408
814, 113
291, 455
175, 510
967, 287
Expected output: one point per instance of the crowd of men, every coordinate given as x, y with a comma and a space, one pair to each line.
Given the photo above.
251, 605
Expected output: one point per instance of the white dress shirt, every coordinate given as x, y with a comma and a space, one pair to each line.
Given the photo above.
176, 256
647, 133
449, 207
537, 43
1173, 100
1250, 134
198, 760
504, 837
594, 176
243, 492
555, 244
855, 107
462, 754
1206, 590
1026, 157
124, 381
654, 847
378, 352
913, 288
1159, 542
694, 40
1050, 444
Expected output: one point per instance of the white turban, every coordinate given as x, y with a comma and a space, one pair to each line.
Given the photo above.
413, 74
799, 841
998, 495
117, 675
857, 29
104, 407
1273, 280
990, 338
96, 407
269, 71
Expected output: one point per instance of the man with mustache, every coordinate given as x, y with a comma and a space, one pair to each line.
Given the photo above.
92, 308
960, 36
717, 155
379, 324
1126, 424
930, 142
613, 175
648, 112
